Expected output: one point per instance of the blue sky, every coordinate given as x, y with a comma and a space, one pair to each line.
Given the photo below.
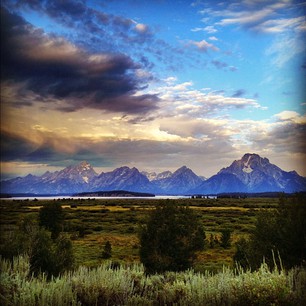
151, 84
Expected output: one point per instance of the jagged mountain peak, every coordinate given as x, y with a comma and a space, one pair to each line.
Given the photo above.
254, 174
125, 169
251, 161
79, 169
184, 170
84, 165
251, 173
182, 180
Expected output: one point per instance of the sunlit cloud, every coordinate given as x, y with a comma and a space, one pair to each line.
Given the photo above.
202, 45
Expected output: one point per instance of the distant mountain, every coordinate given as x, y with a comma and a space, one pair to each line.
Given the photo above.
252, 173
180, 182
123, 178
69, 180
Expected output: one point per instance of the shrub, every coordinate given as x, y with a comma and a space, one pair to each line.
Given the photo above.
130, 285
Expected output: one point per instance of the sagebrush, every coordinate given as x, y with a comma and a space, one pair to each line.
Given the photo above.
130, 285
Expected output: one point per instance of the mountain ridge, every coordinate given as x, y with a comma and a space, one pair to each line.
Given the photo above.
249, 174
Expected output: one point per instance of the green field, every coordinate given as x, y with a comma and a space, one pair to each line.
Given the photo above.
92, 222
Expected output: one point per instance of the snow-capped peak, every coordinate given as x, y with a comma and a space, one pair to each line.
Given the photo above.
247, 167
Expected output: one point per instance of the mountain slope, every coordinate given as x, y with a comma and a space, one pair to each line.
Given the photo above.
253, 173
153, 176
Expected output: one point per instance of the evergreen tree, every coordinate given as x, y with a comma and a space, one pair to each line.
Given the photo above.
226, 238
51, 217
107, 250
170, 239
279, 232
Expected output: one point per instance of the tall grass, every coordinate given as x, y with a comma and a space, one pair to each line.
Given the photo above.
129, 285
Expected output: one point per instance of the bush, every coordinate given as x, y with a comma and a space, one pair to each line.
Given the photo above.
170, 238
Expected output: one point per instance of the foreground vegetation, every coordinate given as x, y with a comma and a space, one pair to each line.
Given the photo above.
129, 285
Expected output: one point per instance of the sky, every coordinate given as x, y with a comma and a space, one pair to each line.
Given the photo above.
151, 84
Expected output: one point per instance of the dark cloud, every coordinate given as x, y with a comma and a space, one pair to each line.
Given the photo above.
219, 64
239, 93
287, 136
223, 66
52, 67
14, 147
78, 15
94, 29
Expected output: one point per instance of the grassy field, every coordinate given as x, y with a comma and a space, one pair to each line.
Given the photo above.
92, 222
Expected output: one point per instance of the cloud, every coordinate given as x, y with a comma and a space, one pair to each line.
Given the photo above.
284, 48
181, 99
245, 18
90, 27
239, 93
203, 45
220, 65
53, 68
142, 28
208, 29
285, 134
111, 152
213, 38
70, 12
194, 130
290, 116
265, 16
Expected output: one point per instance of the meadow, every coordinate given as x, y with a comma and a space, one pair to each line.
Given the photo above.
92, 222
122, 280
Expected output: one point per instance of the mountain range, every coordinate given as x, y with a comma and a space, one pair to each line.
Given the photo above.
250, 174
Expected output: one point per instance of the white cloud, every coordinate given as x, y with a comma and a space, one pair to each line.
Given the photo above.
244, 17
262, 16
210, 29
291, 116
203, 45
213, 38
141, 28
284, 48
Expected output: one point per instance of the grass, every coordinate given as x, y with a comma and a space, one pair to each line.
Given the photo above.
118, 221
